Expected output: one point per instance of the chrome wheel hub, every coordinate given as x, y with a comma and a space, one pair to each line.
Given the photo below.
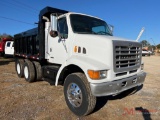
74, 95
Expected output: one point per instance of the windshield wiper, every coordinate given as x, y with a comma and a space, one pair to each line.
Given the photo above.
86, 32
103, 33
98, 33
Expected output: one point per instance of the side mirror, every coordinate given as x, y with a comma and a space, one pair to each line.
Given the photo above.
53, 23
111, 27
53, 31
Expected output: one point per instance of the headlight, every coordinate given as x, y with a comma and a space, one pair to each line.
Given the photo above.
97, 74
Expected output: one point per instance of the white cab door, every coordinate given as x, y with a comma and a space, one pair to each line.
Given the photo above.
9, 48
57, 46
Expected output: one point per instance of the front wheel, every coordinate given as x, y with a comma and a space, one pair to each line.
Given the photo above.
78, 94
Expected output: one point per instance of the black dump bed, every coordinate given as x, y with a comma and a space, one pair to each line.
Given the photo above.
27, 43
31, 44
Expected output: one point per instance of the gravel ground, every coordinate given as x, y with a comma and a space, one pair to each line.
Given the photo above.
20, 100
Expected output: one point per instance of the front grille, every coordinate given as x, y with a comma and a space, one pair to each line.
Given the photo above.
127, 55
121, 74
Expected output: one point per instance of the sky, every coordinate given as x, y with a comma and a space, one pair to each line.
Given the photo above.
127, 16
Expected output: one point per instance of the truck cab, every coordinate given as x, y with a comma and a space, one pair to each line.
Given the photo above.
9, 48
88, 41
2, 45
79, 51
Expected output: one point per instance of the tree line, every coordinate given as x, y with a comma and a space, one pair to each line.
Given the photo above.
145, 43
5, 35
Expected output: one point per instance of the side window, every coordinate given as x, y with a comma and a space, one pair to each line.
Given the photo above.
98, 28
8, 44
62, 27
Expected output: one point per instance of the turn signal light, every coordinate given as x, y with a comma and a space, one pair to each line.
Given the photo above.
94, 74
97, 74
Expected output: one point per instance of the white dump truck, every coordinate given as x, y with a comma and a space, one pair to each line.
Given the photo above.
79, 52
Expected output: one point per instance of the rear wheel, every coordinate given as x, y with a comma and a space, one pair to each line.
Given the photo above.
78, 94
38, 70
29, 71
19, 67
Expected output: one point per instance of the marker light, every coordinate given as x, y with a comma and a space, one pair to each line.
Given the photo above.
75, 49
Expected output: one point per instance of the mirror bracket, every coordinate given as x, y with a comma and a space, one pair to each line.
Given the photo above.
53, 33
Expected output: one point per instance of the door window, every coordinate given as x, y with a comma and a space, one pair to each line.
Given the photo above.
62, 27
8, 44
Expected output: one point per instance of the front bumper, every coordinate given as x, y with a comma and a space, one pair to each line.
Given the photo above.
117, 86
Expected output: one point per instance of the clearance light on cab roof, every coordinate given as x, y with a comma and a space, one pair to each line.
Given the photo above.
95, 75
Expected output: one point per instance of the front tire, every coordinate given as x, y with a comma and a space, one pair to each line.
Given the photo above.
29, 71
78, 94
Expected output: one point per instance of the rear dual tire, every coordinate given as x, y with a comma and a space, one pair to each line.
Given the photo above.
31, 71
38, 70
19, 64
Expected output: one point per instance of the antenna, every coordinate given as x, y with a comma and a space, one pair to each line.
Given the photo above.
140, 34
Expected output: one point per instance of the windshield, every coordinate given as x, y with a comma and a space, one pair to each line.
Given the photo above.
88, 25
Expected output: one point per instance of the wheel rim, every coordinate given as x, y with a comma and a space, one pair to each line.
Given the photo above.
26, 72
74, 95
18, 68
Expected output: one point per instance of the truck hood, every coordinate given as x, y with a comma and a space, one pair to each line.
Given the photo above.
100, 37
98, 47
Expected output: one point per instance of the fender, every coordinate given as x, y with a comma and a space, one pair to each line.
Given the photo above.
84, 63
